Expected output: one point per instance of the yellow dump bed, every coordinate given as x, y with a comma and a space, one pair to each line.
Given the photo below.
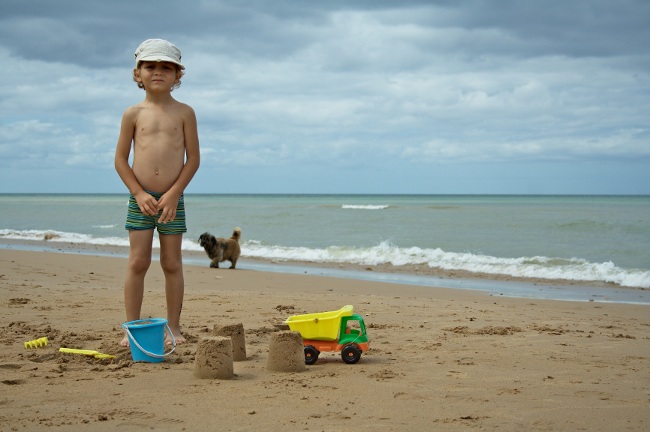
319, 326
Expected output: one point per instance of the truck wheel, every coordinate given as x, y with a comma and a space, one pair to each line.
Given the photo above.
350, 354
311, 355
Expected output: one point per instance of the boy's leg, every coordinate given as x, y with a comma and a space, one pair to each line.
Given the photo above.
172, 265
138, 264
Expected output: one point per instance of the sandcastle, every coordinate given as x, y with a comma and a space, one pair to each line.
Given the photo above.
214, 358
236, 333
286, 352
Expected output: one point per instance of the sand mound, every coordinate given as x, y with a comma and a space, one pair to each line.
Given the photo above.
236, 333
214, 358
286, 352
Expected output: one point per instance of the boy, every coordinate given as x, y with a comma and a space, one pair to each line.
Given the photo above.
165, 158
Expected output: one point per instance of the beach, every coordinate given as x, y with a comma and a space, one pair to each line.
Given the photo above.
439, 359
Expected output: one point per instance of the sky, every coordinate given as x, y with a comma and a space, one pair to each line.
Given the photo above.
357, 96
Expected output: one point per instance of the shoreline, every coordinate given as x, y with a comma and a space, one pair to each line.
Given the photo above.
493, 284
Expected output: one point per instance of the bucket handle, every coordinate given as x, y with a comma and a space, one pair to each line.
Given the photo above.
131, 338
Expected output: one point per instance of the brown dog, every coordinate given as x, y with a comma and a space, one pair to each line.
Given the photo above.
221, 249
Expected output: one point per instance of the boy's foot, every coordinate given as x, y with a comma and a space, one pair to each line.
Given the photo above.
178, 337
125, 342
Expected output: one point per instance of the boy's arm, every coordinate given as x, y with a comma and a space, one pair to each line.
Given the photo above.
148, 204
169, 201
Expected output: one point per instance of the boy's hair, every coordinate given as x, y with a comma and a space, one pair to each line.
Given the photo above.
179, 74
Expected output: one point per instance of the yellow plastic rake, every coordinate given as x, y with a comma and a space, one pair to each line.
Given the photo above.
95, 354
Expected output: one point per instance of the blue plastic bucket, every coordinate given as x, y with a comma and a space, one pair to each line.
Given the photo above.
147, 339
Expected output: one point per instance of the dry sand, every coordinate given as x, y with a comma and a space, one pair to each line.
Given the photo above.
440, 359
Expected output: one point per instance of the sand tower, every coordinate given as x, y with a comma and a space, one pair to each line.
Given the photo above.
236, 333
286, 353
214, 358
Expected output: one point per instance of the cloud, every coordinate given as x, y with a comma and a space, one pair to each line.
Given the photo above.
348, 88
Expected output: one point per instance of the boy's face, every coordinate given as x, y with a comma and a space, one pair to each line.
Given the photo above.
157, 75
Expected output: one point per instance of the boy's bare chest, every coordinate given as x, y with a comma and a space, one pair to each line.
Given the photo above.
156, 122
158, 129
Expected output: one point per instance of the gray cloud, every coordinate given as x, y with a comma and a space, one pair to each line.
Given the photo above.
354, 88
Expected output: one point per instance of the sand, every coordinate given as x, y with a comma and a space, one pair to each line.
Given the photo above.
440, 359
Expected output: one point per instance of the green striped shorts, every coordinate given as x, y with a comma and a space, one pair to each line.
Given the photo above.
135, 220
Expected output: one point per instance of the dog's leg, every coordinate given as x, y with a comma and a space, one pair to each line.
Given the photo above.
233, 263
219, 258
214, 263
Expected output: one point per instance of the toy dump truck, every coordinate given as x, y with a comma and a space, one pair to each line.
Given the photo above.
340, 330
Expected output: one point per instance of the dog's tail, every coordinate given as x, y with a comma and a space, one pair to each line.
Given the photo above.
236, 234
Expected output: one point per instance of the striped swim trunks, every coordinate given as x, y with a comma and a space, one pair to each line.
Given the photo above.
135, 220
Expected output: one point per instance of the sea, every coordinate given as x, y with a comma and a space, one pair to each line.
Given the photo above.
599, 240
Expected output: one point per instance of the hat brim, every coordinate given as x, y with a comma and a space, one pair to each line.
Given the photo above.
160, 58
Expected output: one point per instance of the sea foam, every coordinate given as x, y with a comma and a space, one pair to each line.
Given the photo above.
539, 267
363, 207
385, 253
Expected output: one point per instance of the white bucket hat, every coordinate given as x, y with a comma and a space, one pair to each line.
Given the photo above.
158, 50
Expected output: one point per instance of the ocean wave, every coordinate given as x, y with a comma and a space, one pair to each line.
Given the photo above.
539, 267
62, 237
575, 269
363, 207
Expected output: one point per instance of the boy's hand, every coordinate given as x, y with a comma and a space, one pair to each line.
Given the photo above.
148, 204
167, 207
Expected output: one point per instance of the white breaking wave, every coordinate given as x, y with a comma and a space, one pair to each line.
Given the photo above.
364, 207
386, 253
576, 269
62, 237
